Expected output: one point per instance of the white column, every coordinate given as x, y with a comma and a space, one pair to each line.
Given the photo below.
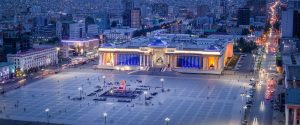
147, 62
101, 56
144, 59
140, 60
295, 116
204, 63
152, 62
286, 115
99, 59
216, 62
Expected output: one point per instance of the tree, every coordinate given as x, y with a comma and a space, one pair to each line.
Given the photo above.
244, 46
277, 25
245, 32
89, 20
114, 24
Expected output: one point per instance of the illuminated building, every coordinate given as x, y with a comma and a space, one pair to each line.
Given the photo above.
34, 58
7, 71
135, 18
292, 91
79, 47
179, 52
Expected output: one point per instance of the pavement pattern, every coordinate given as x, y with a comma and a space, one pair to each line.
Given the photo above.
190, 101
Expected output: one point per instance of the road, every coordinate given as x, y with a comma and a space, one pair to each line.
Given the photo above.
261, 112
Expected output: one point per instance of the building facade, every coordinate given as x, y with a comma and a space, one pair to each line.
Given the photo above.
79, 47
15, 41
292, 99
71, 29
135, 21
34, 58
7, 71
160, 9
243, 16
209, 57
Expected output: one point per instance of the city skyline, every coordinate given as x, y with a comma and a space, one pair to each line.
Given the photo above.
149, 62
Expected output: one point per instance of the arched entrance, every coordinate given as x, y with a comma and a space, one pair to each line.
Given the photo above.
159, 57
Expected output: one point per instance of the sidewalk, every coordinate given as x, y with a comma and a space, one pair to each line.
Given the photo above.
278, 118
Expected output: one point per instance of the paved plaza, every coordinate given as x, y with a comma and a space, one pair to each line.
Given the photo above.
189, 101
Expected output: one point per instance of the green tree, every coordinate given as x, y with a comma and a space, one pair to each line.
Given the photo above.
114, 23
89, 20
245, 32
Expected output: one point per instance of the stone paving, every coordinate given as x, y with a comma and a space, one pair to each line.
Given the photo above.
190, 101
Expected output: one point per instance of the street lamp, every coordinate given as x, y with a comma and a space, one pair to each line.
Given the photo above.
47, 113
145, 93
294, 80
104, 115
80, 90
57, 49
162, 83
167, 120
103, 77
2, 90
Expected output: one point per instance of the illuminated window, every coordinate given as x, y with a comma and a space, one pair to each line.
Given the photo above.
109, 58
211, 61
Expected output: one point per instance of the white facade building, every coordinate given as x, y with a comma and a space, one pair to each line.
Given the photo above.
119, 34
34, 58
77, 30
93, 30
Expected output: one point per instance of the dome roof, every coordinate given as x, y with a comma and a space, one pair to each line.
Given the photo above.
106, 45
212, 48
157, 43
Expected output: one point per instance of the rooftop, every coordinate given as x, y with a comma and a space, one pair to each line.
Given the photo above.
2, 64
178, 41
293, 72
292, 96
31, 51
79, 40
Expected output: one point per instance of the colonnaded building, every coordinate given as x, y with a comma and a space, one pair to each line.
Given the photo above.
168, 52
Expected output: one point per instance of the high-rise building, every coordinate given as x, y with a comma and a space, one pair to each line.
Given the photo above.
290, 23
202, 10
257, 7
103, 21
15, 42
128, 5
135, 18
243, 16
71, 29
296, 27
182, 11
161, 9
92, 30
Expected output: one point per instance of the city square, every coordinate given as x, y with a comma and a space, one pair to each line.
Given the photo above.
189, 101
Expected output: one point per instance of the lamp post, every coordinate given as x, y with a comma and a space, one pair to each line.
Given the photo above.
162, 83
80, 90
103, 77
2, 90
167, 120
104, 115
145, 93
57, 49
47, 114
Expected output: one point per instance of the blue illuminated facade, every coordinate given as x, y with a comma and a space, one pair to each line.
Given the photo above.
189, 61
128, 59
